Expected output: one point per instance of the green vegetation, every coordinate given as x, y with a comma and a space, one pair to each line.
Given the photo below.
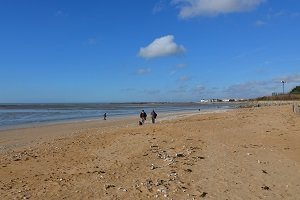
282, 97
294, 94
296, 90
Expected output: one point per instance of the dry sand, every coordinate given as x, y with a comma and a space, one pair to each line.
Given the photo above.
249, 153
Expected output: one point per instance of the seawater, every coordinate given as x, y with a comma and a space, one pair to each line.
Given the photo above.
15, 115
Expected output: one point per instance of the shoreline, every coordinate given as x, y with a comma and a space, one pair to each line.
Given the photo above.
32, 134
21, 121
96, 119
246, 153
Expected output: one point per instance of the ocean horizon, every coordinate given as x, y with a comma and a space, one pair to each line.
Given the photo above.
29, 114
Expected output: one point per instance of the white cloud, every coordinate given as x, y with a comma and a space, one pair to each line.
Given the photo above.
143, 71
164, 46
289, 79
181, 66
184, 78
254, 89
178, 67
159, 6
199, 89
249, 89
193, 8
260, 23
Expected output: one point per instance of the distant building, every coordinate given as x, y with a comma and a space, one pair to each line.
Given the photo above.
217, 100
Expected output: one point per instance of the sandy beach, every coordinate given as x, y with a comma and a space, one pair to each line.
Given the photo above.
246, 153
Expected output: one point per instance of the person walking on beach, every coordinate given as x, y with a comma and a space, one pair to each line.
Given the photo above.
153, 116
104, 116
143, 116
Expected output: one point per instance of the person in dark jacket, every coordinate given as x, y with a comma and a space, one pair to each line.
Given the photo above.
153, 116
143, 116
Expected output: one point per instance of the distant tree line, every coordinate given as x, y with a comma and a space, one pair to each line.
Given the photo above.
294, 94
295, 90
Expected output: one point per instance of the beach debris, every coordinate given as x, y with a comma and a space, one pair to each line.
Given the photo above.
249, 154
162, 190
203, 194
154, 148
173, 176
265, 187
162, 155
123, 189
148, 184
188, 170
107, 186
137, 187
179, 155
198, 157
264, 171
16, 159
153, 167
184, 188
159, 182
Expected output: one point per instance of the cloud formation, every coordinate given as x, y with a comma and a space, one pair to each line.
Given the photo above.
181, 66
159, 6
295, 78
199, 89
184, 78
143, 71
193, 8
260, 23
178, 67
254, 89
163, 46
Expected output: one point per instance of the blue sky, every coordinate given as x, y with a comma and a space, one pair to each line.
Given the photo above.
154, 50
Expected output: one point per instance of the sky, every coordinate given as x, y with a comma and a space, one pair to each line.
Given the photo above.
147, 50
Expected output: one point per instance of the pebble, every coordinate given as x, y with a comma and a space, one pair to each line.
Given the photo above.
123, 189
179, 155
203, 194
109, 186
153, 167
265, 187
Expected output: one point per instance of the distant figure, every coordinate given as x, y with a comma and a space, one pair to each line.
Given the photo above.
143, 116
104, 116
199, 109
153, 116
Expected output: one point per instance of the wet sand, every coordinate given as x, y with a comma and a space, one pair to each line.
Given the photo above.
248, 153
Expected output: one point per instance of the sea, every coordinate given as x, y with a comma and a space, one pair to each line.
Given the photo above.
22, 115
